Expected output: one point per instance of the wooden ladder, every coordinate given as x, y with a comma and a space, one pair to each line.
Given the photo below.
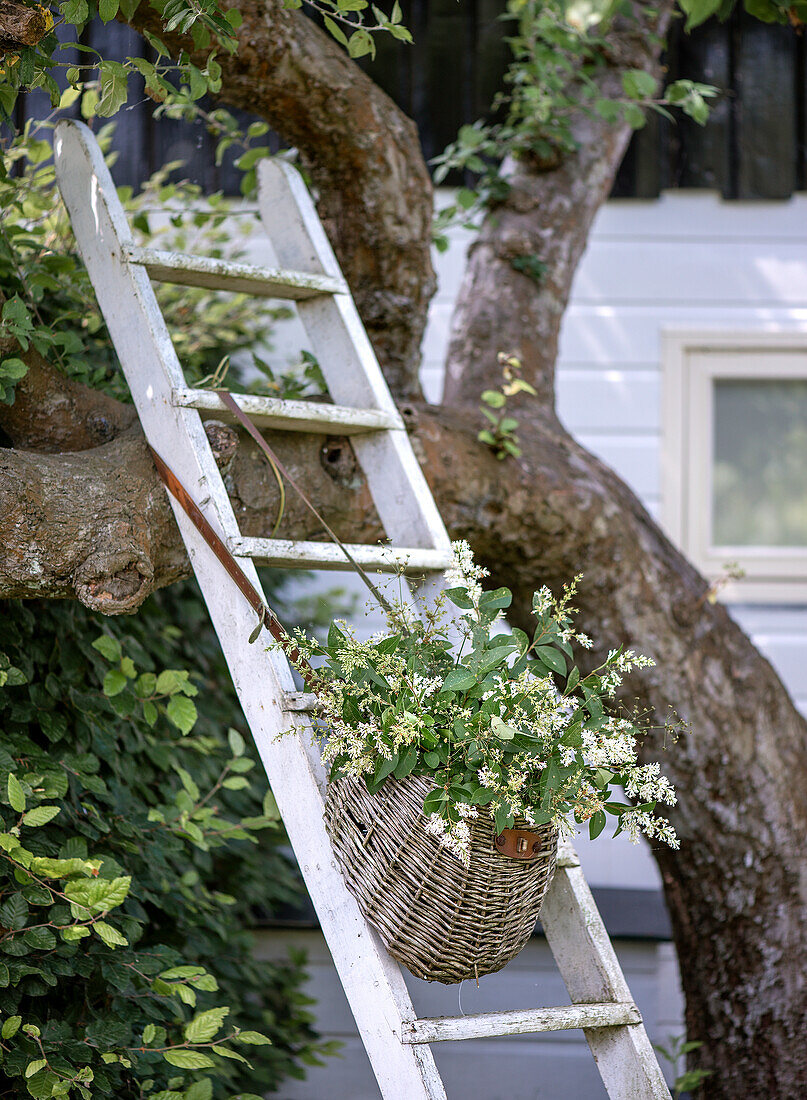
396, 1041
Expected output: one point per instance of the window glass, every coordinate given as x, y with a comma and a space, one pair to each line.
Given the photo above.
760, 463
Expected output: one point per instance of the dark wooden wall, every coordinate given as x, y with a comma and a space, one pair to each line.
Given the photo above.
754, 146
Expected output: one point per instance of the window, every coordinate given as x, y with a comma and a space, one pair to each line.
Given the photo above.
734, 457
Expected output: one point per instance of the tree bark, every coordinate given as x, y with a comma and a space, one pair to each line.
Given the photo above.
737, 889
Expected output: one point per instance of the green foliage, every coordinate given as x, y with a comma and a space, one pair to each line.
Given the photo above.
501, 433
502, 720
50, 304
769, 11
129, 858
675, 1052
559, 52
353, 23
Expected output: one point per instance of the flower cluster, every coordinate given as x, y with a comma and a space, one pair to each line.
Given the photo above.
503, 721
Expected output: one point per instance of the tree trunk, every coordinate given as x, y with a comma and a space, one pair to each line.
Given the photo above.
94, 523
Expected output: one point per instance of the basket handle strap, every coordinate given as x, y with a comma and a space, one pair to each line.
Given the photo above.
266, 617
227, 398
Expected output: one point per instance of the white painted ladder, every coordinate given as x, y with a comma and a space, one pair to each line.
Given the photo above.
397, 1042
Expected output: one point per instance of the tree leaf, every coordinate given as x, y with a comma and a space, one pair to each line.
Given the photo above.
182, 713
11, 1026
188, 1059
253, 1037
114, 88
205, 1025
14, 912
236, 742
111, 936
114, 682
16, 795
108, 647
40, 815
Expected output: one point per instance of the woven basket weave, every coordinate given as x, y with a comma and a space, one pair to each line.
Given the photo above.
443, 921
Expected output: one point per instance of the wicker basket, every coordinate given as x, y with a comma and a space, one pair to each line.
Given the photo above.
443, 921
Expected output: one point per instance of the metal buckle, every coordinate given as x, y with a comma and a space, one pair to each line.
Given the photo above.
518, 844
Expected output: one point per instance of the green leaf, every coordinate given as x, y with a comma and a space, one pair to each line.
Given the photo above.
114, 92
228, 1052
253, 1037
596, 824
551, 658
385, 767
698, 11
459, 597
501, 730
494, 398
205, 1025
13, 369
406, 763
501, 818
107, 9
111, 936
236, 741
16, 795
75, 11
335, 30
41, 815
73, 933
360, 44
188, 1059
149, 1031
39, 939
459, 679
11, 1026
496, 600
573, 679
114, 682
492, 658
35, 1066
182, 713
98, 895
638, 84
235, 783
200, 1090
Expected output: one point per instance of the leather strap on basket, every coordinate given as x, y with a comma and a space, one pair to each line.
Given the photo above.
518, 844
227, 398
266, 617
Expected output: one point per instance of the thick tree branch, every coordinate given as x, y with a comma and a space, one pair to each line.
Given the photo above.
363, 153
547, 214
52, 413
740, 879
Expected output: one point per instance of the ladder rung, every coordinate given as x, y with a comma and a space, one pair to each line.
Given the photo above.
287, 554
301, 702
264, 282
520, 1022
293, 416
567, 856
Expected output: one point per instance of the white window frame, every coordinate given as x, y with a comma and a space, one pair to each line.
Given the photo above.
772, 574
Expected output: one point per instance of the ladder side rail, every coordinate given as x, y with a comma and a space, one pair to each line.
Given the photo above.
373, 983
346, 357
591, 971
